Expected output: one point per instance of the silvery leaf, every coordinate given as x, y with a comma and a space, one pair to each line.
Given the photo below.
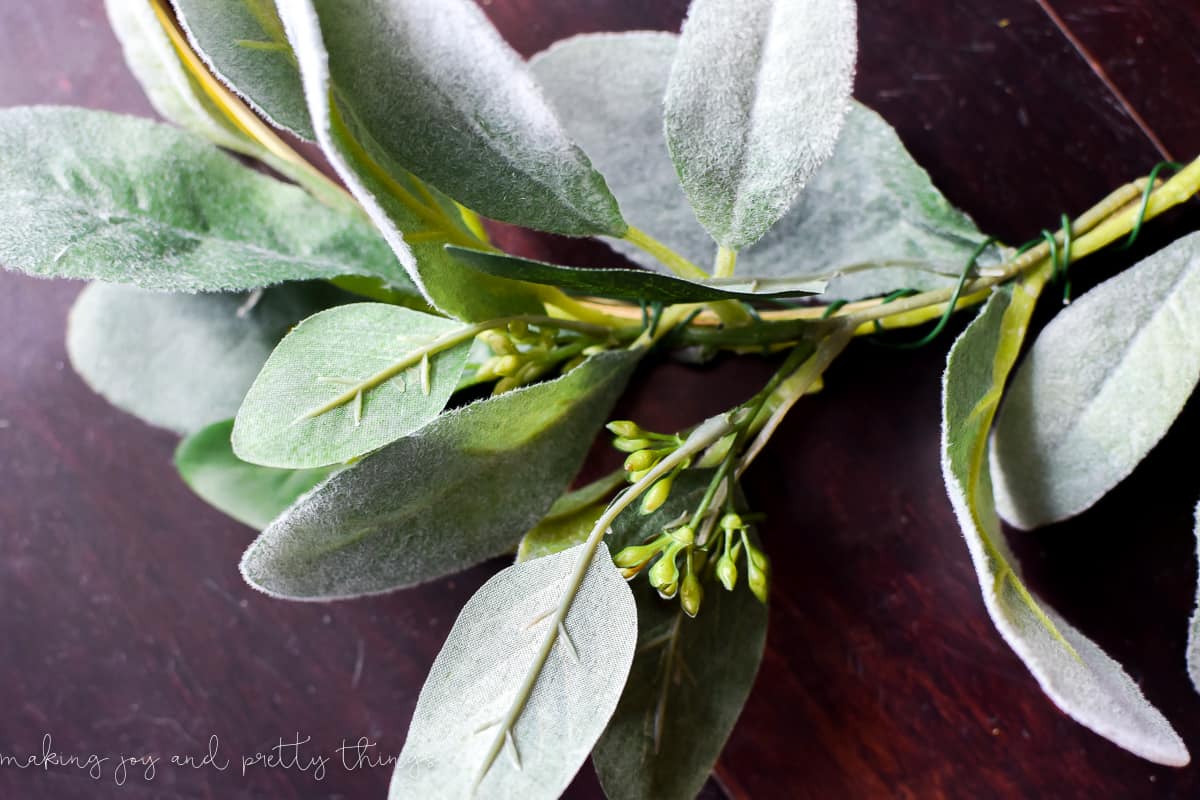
1099, 388
757, 95
345, 382
1193, 643
1073, 671
498, 640
462, 489
869, 220
90, 194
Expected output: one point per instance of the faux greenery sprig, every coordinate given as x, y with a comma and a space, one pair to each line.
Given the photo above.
315, 407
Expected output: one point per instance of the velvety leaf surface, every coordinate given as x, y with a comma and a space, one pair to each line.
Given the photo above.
90, 194
462, 489
1099, 388
249, 493
181, 361
435, 88
870, 205
556, 533
243, 42
480, 669
690, 677
1073, 671
323, 360
1193, 643
630, 284
398, 204
756, 98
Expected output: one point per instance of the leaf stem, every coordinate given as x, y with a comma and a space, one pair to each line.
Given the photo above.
702, 436
446, 341
725, 263
671, 259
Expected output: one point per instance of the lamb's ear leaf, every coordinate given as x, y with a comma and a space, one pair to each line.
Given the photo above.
249, 493
690, 677
317, 402
1193, 643
438, 93
496, 641
869, 220
1075, 673
243, 42
399, 204
462, 489
1099, 388
181, 361
633, 284
757, 95
96, 195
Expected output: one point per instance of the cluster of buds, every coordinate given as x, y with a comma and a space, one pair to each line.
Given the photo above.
734, 540
646, 449
521, 355
664, 575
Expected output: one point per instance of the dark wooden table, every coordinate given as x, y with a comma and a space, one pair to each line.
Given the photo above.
125, 627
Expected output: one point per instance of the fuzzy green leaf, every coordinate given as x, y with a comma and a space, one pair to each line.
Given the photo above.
243, 42
345, 382
756, 98
462, 489
559, 532
249, 493
440, 93
690, 677
632, 284
181, 361
481, 668
90, 194
1073, 671
399, 204
1099, 388
870, 219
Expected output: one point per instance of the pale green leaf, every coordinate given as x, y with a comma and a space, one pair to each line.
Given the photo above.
595, 492
348, 381
1073, 671
440, 94
181, 361
90, 194
556, 533
400, 205
757, 95
243, 42
1099, 388
249, 493
1193, 642
462, 489
690, 677
475, 680
869, 219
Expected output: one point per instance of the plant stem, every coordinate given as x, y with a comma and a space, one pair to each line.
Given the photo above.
725, 263
672, 260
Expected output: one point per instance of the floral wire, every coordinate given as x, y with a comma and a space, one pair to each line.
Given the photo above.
656, 309
1141, 216
833, 308
950, 304
1065, 276
896, 295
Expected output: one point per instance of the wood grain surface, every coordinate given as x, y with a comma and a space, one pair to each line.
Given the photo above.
125, 628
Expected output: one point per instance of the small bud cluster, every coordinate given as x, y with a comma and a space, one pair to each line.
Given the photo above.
646, 449
664, 575
734, 540
521, 355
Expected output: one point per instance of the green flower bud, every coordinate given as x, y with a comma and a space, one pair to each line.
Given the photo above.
668, 591
641, 460
690, 594
634, 477
685, 536
665, 571
505, 385
501, 345
758, 569
627, 445
519, 329
572, 364
624, 427
653, 499
636, 555
727, 572
507, 365
732, 522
